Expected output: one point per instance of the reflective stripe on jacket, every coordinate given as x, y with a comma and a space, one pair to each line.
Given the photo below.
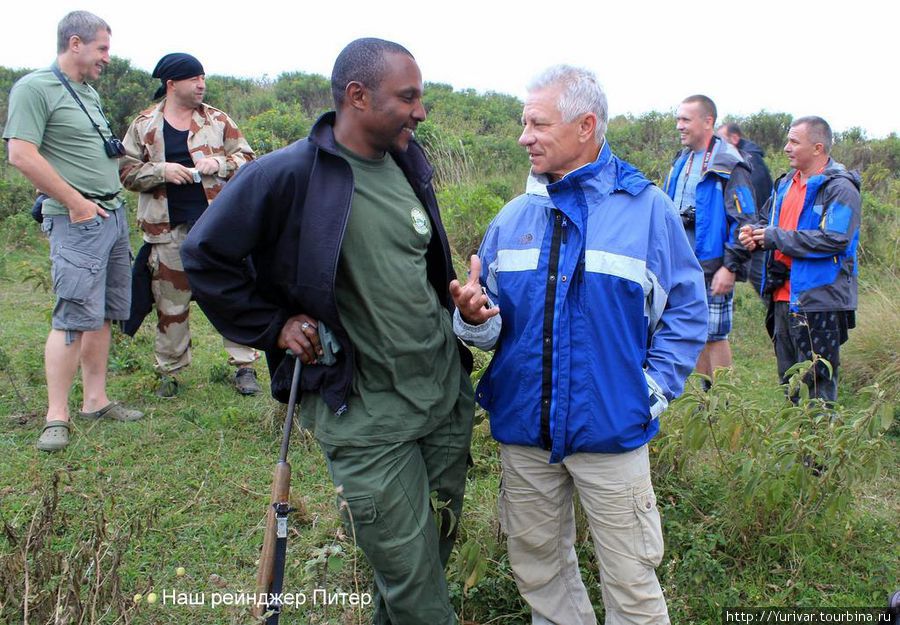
604, 311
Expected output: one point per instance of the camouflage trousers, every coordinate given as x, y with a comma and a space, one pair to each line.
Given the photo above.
172, 297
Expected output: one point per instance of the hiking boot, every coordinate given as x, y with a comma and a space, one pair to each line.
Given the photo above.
167, 387
245, 381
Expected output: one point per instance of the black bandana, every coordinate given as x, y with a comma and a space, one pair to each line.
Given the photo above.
175, 66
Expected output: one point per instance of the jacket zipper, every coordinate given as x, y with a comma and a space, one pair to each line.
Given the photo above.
549, 305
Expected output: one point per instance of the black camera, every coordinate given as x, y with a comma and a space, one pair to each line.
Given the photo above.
777, 273
114, 148
689, 216
38, 207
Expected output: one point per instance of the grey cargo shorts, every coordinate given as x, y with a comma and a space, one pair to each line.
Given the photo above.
90, 269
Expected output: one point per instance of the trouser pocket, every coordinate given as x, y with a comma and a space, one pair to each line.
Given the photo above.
75, 275
649, 537
502, 510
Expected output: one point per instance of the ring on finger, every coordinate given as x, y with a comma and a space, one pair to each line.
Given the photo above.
304, 326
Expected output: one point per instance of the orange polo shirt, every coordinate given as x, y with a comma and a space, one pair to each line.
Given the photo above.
787, 220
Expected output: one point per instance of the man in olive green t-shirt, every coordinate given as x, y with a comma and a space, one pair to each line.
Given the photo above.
343, 229
70, 154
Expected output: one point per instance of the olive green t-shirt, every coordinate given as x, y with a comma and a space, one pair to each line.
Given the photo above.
43, 112
407, 370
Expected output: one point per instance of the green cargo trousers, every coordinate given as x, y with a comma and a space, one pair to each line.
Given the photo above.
387, 490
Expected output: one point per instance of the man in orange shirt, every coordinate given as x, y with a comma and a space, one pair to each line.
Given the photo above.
811, 256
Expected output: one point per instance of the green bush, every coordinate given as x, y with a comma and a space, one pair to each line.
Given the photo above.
782, 471
648, 142
767, 130
873, 352
879, 238
311, 91
466, 211
240, 98
498, 160
447, 155
16, 193
276, 128
125, 91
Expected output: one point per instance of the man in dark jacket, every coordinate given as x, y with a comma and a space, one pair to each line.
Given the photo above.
343, 228
811, 243
762, 185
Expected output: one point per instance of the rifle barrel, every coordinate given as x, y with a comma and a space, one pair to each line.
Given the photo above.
292, 402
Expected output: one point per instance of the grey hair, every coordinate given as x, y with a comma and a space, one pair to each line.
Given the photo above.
79, 24
581, 93
818, 129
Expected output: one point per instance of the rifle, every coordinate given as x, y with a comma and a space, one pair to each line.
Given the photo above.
270, 576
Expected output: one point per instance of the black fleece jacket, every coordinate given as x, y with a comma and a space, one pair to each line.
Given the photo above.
268, 247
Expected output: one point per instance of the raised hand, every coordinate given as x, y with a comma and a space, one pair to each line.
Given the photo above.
470, 299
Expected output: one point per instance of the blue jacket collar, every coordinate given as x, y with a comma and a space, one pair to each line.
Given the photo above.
610, 173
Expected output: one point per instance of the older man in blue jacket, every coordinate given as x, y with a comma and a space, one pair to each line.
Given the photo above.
590, 293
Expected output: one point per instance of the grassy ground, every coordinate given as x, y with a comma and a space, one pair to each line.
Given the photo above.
188, 486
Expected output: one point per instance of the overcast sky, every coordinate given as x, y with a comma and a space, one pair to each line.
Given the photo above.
834, 59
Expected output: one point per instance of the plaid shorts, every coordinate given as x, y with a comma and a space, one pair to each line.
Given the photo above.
721, 311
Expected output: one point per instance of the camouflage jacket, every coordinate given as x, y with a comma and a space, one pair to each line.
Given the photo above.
212, 134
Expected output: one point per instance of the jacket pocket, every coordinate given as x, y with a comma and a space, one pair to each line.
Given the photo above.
649, 539
75, 274
656, 399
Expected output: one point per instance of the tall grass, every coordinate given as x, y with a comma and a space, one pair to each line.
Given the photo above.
872, 354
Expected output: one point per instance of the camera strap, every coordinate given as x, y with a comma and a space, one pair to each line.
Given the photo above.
690, 164
65, 83
706, 158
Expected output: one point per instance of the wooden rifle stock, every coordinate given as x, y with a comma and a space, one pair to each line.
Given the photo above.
281, 491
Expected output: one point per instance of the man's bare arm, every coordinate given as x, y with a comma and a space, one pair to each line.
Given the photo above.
25, 157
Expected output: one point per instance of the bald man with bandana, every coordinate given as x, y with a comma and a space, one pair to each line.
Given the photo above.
179, 154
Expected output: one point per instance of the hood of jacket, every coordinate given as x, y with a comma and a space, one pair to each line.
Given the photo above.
745, 145
621, 176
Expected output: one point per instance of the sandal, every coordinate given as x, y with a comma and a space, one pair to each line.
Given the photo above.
54, 436
115, 411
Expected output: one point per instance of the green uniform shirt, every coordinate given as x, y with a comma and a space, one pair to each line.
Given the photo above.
43, 112
407, 369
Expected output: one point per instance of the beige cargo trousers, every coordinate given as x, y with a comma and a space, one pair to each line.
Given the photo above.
537, 514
